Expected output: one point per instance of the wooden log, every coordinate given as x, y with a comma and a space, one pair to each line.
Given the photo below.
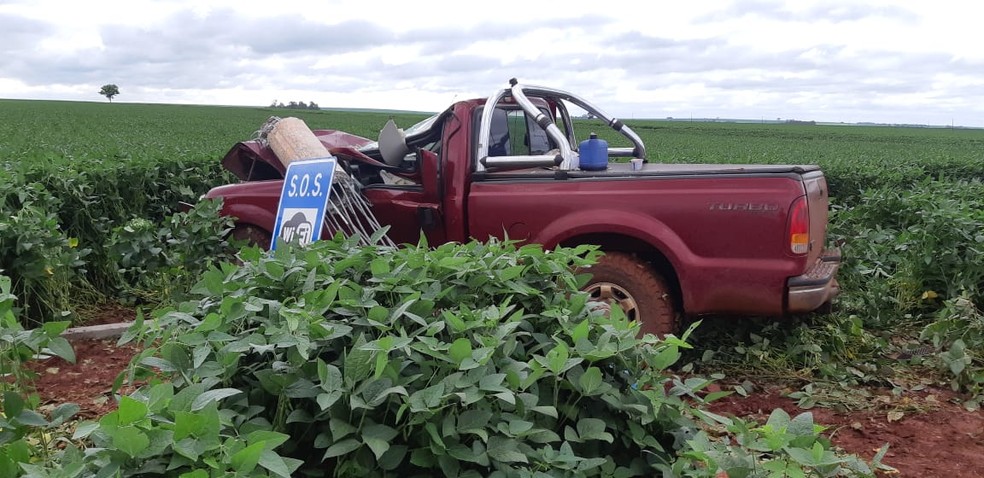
292, 140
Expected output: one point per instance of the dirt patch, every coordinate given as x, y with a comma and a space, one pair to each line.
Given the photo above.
934, 437
89, 381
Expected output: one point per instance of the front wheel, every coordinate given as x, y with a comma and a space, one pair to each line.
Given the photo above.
628, 282
252, 235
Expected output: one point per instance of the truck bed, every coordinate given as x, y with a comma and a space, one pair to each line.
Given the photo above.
722, 227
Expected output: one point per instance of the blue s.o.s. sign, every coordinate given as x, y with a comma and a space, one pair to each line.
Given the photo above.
304, 201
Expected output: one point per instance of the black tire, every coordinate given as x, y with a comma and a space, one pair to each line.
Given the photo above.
253, 235
642, 293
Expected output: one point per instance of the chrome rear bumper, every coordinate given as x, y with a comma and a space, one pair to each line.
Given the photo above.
807, 292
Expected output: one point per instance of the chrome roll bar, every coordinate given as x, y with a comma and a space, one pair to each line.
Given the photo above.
566, 158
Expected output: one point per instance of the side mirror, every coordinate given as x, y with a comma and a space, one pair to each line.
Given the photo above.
392, 144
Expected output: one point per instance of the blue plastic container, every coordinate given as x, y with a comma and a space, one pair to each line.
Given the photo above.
594, 154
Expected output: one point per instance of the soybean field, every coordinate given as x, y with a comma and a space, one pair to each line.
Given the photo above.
91, 191
90, 194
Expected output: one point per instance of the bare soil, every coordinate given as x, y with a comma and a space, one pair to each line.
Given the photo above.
929, 433
89, 381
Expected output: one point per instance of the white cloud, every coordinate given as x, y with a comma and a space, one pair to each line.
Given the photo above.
888, 61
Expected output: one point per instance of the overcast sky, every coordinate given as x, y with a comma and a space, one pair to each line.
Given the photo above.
893, 62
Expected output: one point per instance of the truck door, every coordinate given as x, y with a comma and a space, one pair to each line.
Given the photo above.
411, 209
518, 135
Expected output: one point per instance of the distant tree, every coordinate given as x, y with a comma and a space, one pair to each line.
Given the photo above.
295, 105
109, 91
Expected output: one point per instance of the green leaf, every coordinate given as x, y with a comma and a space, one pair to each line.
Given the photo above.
423, 458
12, 403
190, 448
814, 457
187, 424
84, 429
341, 448
379, 267
427, 399
212, 396
802, 425
474, 422
393, 457
54, 329
493, 383
777, 467
160, 440
18, 451
330, 376
326, 400
593, 429
402, 310
710, 397
131, 410
666, 357
278, 465
505, 450
510, 273
60, 347
580, 331
590, 381
31, 418
358, 362
211, 322
271, 438
519, 427
548, 410
194, 474
475, 454
382, 361
340, 428
460, 350
542, 435
377, 438
159, 363
435, 435
779, 419
130, 440
243, 461
159, 396
557, 358
378, 314
507, 397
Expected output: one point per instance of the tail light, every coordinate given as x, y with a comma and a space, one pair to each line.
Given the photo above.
799, 226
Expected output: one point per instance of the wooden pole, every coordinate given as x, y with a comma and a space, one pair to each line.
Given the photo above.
292, 140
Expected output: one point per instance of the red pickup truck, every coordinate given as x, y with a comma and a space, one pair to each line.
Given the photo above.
679, 239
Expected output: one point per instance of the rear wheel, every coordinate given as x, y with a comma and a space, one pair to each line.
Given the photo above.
626, 281
253, 235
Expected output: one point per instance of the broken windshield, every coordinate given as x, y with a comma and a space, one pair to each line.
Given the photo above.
422, 128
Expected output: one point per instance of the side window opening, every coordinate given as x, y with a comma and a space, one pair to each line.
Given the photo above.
513, 134
539, 142
499, 134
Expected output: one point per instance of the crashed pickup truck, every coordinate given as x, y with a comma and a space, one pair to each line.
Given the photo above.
680, 240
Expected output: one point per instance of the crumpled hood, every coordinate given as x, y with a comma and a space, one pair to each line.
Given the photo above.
253, 161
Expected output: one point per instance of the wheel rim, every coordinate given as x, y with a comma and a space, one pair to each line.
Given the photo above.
614, 294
